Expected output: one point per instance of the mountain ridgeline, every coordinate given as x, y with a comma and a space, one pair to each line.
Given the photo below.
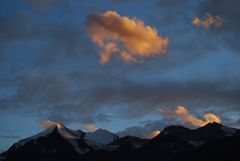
175, 143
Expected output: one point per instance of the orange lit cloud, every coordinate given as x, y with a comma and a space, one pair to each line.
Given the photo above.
211, 118
186, 117
209, 21
127, 38
91, 127
153, 134
47, 123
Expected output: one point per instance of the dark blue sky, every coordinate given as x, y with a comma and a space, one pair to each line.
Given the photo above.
50, 67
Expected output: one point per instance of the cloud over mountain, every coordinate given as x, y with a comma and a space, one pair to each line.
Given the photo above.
186, 117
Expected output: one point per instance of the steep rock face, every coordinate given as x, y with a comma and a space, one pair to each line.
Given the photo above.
59, 143
50, 147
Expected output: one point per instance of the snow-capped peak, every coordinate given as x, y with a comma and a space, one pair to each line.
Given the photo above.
101, 136
98, 139
70, 135
35, 137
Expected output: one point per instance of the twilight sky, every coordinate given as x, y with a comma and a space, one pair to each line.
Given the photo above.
129, 66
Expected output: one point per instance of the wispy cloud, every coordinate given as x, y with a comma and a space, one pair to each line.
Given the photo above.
47, 123
128, 38
208, 21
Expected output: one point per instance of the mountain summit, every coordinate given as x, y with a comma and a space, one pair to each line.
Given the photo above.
209, 131
58, 143
101, 136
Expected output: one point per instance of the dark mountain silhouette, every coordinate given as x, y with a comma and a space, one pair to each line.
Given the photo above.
175, 143
51, 147
130, 142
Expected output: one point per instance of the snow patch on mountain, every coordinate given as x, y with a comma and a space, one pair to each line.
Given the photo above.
66, 133
72, 137
101, 136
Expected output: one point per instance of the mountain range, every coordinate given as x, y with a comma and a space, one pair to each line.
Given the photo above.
211, 142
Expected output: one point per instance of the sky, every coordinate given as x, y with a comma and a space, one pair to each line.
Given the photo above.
130, 66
